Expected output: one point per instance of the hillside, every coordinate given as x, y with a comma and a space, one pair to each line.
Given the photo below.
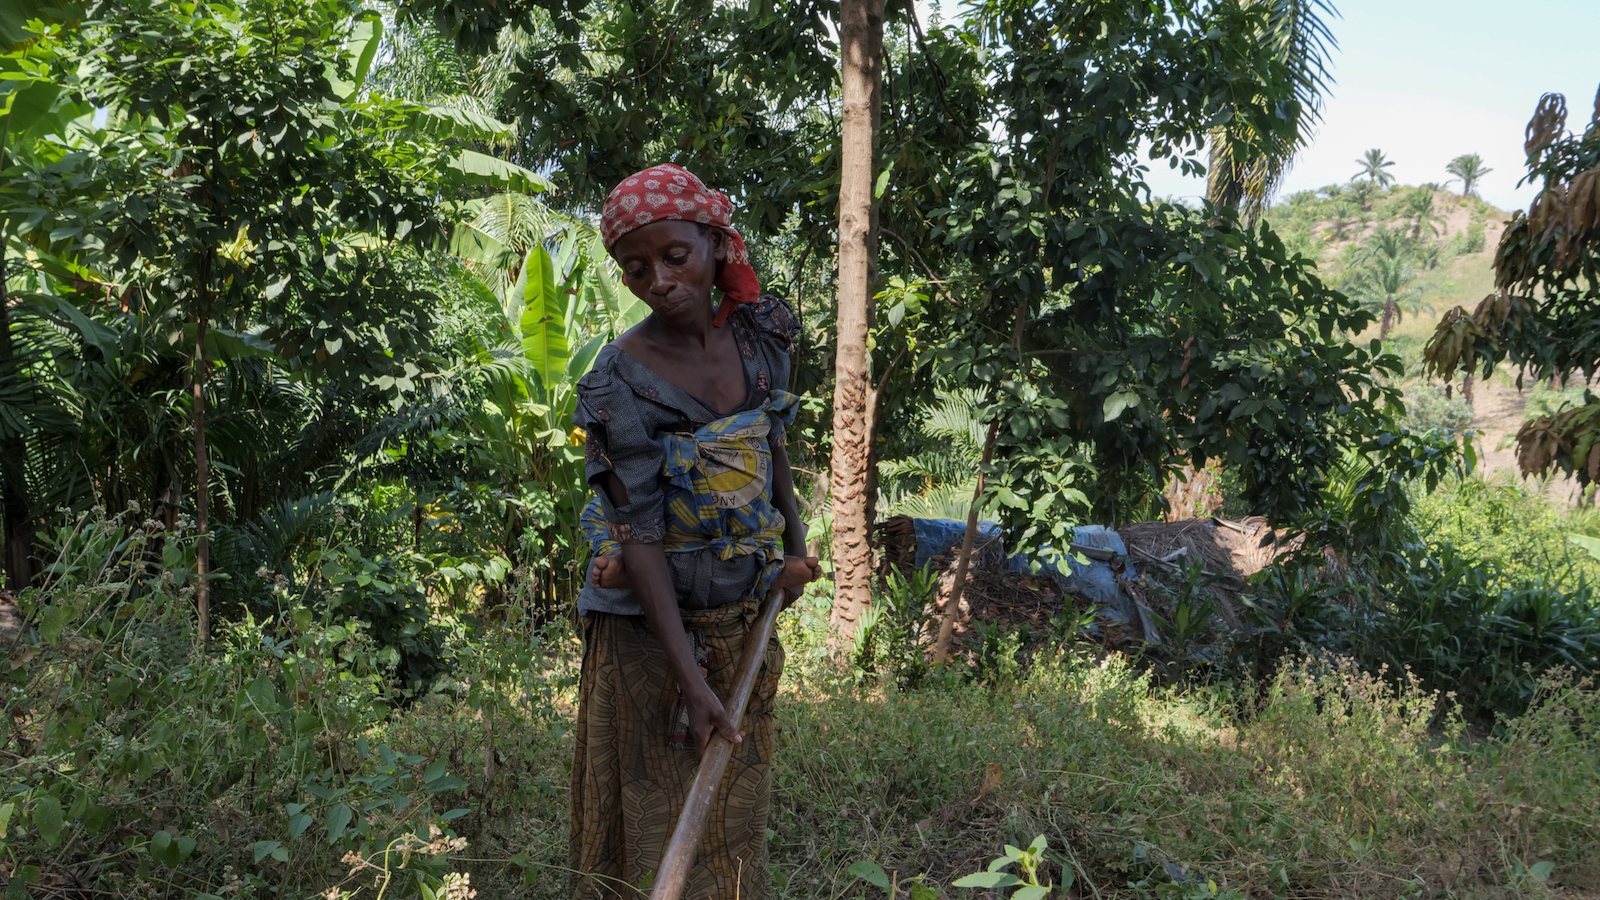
1445, 259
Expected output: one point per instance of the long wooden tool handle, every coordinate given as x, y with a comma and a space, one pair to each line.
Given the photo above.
678, 858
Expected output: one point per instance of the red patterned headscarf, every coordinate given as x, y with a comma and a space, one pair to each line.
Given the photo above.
669, 191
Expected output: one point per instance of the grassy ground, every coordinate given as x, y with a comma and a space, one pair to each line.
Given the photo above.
279, 764
1326, 783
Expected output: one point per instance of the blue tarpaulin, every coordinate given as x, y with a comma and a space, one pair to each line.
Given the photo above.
1093, 578
942, 537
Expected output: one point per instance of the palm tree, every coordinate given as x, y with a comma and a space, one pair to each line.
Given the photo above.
1417, 206
1469, 169
1242, 174
1342, 215
1388, 243
1385, 286
1382, 278
1375, 168
1363, 193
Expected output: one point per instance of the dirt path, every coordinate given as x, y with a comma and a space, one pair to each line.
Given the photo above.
1499, 410
10, 621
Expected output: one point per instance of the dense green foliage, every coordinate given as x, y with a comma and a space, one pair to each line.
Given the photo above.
290, 257
257, 766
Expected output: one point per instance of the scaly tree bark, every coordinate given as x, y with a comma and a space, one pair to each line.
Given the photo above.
861, 33
13, 474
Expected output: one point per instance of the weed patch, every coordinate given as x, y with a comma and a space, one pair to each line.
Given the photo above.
279, 762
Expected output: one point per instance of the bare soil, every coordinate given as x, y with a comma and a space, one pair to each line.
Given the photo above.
10, 621
1499, 409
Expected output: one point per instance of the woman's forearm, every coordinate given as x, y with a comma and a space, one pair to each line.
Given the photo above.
646, 565
794, 528
651, 580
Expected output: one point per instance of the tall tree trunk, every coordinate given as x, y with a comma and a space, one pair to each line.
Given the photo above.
1192, 493
861, 33
13, 465
202, 481
1388, 320
1195, 493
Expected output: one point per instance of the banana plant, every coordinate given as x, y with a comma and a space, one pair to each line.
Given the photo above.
560, 302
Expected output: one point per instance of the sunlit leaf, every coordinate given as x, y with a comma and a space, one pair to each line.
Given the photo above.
870, 872
482, 170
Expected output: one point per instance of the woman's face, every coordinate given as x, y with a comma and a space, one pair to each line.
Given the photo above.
670, 265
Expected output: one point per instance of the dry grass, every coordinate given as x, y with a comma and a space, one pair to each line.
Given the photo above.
1329, 784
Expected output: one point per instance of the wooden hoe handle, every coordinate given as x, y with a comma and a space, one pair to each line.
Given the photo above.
678, 858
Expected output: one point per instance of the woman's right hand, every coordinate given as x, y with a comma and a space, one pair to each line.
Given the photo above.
707, 714
797, 572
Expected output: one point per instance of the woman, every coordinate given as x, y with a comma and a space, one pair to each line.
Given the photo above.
694, 522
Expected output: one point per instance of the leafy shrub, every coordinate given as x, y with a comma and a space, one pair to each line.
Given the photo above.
147, 765
1497, 522
1470, 241
892, 637
1430, 612
390, 601
1292, 608
1428, 409
1466, 628
894, 641
1189, 627
297, 553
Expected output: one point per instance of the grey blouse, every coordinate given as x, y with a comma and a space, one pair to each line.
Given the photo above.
624, 408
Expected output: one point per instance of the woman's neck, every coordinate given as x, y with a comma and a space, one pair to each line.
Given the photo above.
694, 329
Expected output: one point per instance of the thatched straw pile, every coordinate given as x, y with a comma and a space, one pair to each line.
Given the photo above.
1232, 551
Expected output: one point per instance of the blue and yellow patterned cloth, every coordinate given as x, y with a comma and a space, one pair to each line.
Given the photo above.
695, 479
718, 484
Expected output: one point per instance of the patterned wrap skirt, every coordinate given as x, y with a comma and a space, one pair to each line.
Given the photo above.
631, 768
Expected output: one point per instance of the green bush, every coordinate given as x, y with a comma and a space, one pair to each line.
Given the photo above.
1470, 630
1470, 241
1428, 409
146, 765
298, 554
1498, 522
1478, 593
389, 600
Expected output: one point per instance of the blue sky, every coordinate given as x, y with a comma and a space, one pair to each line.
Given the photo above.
1428, 80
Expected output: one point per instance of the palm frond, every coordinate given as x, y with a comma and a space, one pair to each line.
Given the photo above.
956, 417
517, 220
1245, 171
952, 501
